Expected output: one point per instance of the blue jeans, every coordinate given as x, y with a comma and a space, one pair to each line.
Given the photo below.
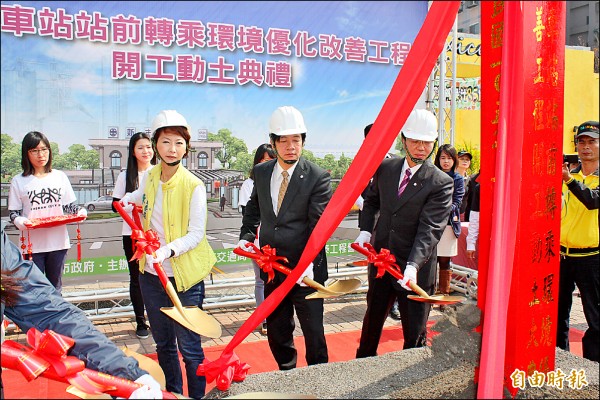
169, 335
51, 263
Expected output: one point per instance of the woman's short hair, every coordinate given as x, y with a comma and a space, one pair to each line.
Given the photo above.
180, 130
31, 141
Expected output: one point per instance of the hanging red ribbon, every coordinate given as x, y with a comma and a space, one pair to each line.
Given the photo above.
405, 92
47, 357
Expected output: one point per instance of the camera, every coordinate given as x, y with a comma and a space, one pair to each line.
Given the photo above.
571, 158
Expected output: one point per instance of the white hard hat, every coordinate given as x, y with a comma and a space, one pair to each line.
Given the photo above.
421, 125
168, 118
286, 120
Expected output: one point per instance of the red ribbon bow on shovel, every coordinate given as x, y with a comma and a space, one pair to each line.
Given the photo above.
384, 260
145, 242
266, 258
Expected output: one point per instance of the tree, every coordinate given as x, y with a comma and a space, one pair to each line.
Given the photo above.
232, 146
243, 162
79, 158
11, 158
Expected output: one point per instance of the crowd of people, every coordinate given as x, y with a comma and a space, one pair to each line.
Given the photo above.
412, 206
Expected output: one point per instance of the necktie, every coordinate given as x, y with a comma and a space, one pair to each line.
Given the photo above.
404, 182
282, 189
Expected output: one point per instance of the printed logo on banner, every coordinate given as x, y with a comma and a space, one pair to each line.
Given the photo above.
202, 134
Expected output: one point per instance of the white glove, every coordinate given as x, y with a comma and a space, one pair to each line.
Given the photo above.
363, 237
410, 274
20, 223
160, 255
309, 273
150, 390
126, 203
82, 212
245, 245
360, 202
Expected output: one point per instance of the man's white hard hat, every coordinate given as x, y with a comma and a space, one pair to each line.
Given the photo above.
421, 125
286, 120
168, 118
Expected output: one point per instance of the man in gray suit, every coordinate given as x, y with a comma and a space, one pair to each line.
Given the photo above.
413, 198
288, 198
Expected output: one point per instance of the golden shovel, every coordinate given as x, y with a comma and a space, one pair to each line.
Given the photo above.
386, 261
191, 317
267, 256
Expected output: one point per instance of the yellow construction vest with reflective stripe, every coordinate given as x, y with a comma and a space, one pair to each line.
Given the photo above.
194, 265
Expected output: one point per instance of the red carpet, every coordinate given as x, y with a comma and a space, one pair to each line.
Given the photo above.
342, 347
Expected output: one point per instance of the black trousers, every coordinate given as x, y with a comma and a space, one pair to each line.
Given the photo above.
380, 298
583, 272
281, 325
135, 293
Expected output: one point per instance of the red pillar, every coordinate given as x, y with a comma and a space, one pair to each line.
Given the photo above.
521, 168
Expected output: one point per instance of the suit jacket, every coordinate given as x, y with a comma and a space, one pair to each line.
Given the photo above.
411, 225
307, 195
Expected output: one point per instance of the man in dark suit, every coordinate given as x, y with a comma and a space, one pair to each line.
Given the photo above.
288, 198
413, 198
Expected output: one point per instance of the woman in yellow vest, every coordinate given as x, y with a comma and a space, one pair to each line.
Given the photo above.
174, 205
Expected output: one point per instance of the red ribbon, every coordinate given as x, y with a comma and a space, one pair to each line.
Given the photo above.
225, 369
266, 258
47, 357
384, 260
145, 242
405, 92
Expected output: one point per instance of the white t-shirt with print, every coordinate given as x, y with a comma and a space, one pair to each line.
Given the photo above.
119, 191
40, 198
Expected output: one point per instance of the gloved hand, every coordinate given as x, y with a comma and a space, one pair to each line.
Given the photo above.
126, 203
309, 273
82, 212
245, 245
160, 255
363, 237
150, 390
20, 223
360, 202
410, 274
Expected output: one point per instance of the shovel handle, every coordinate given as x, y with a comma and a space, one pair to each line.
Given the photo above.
125, 216
369, 251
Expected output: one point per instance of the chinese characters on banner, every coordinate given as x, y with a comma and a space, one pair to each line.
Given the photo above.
164, 33
531, 328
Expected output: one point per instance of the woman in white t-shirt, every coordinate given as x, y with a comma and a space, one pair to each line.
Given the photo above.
263, 153
141, 158
40, 192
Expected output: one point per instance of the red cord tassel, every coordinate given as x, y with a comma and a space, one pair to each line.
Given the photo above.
29, 247
78, 244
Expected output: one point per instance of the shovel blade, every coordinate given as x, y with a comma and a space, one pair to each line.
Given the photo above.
337, 288
437, 299
196, 320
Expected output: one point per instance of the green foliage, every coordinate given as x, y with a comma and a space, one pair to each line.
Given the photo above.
232, 146
11, 158
399, 147
77, 158
243, 162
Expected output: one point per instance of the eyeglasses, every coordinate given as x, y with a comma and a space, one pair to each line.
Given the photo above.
37, 152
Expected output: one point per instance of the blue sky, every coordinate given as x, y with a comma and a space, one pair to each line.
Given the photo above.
337, 98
